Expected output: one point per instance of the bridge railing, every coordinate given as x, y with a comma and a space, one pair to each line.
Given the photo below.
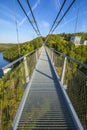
73, 76
13, 85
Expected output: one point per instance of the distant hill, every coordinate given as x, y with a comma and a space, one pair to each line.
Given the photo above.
4, 46
13, 51
61, 42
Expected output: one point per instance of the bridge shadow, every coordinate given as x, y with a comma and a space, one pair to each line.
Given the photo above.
44, 74
62, 100
43, 59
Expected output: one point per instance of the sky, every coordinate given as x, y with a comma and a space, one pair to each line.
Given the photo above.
45, 12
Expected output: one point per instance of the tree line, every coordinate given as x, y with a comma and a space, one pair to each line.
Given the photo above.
63, 44
12, 52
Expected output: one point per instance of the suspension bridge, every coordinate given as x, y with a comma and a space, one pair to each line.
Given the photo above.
44, 105
49, 93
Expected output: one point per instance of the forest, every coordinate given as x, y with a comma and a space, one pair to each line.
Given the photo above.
62, 43
14, 51
75, 79
13, 84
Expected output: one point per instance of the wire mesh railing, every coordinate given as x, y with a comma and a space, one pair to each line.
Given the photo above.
12, 86
57, 59
74, 80
76, 87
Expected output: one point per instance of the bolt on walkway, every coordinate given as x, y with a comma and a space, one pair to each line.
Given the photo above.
45, 106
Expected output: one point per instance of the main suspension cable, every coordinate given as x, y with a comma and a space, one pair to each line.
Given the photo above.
64, 15
33, 16
27, 17
55, 26
17, 32
57, 15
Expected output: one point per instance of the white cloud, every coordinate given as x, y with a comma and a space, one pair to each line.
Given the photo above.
72, 19
68, 21
6, 11
23, 20
4, 22
44, 27
33, 8
9, 15
45, 24
83, 27
36, 4
56, 4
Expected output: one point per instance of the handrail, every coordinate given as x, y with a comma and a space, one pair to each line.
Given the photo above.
16, 80
73, 80
74, 60
10, 64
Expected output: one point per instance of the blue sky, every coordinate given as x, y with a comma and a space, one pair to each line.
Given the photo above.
45, 12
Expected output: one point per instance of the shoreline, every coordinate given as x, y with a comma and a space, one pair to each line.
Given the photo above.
3, 63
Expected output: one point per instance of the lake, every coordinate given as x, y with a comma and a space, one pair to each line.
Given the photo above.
3, 63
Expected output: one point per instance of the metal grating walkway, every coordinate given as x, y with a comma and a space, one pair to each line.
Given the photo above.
45, 107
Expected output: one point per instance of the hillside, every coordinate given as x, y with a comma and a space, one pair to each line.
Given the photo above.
62, 43
13, 51
3, 47
12, 84
67, 36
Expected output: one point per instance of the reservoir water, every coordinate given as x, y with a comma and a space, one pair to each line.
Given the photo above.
3, 63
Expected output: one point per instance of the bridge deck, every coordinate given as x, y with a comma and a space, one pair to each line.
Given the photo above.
45, 107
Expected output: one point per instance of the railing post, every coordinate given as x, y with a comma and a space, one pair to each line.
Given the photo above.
26, 70
52, 54
63, 70
36, 54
